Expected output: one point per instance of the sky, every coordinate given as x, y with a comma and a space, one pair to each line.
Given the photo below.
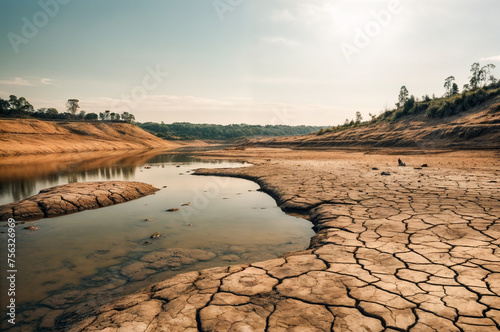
311, 62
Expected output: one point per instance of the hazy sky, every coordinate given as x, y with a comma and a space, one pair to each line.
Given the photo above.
240, 61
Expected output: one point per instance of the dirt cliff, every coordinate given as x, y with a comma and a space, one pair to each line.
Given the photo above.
30, 136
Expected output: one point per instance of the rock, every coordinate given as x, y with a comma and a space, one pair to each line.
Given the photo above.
374, 169
31, 228
424, 165
147, 242
401, 163
230, 258
155, 235
385, 173
172, 210
147, 219
74, 197
186, 204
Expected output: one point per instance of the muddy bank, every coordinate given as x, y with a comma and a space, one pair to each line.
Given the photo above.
74, 197
29, 136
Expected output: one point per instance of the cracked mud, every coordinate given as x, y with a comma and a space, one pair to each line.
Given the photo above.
74, 197
414, 251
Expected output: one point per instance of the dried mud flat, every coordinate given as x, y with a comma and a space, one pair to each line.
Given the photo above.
416, 250
74, 197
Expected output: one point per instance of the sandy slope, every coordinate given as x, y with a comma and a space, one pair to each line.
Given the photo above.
478, 128
29, 136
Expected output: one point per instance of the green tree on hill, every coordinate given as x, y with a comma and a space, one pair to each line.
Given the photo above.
448, 86
403, 96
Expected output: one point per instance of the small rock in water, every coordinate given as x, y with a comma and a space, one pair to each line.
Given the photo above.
385, 173
230, 258
31, 228
164, 187
178, 166
155, 235
172, 210
147, 219
186, 204
147, 242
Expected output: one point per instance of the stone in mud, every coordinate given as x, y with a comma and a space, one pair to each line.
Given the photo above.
74, 197
155, 235
31, 228
172, 210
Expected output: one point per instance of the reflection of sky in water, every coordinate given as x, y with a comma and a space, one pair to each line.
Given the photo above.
226, 216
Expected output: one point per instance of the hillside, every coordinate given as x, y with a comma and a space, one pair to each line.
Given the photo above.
30, 136
477, 128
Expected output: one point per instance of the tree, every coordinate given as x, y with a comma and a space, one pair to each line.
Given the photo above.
403, 96
72, 106
91, 116
101, 116
81, 115
359, 117
486, 74
106, 114
476, 74
448, 85
113, 115
454, 89
51, 112
131, 118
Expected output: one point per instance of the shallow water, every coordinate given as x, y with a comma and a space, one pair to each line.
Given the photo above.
73, 258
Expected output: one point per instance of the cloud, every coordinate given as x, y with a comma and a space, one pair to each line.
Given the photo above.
47, 81
281, 41
491, 58
16, 81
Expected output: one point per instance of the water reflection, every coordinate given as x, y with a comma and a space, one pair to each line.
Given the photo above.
24, 176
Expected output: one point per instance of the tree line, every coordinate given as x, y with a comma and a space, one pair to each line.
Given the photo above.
186, 130
15, 107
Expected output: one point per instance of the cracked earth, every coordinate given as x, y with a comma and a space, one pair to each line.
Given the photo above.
417, 250
74, 197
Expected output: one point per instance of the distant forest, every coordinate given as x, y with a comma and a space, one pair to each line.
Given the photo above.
185, 130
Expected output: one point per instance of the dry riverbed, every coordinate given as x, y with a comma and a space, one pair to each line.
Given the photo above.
417, 249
